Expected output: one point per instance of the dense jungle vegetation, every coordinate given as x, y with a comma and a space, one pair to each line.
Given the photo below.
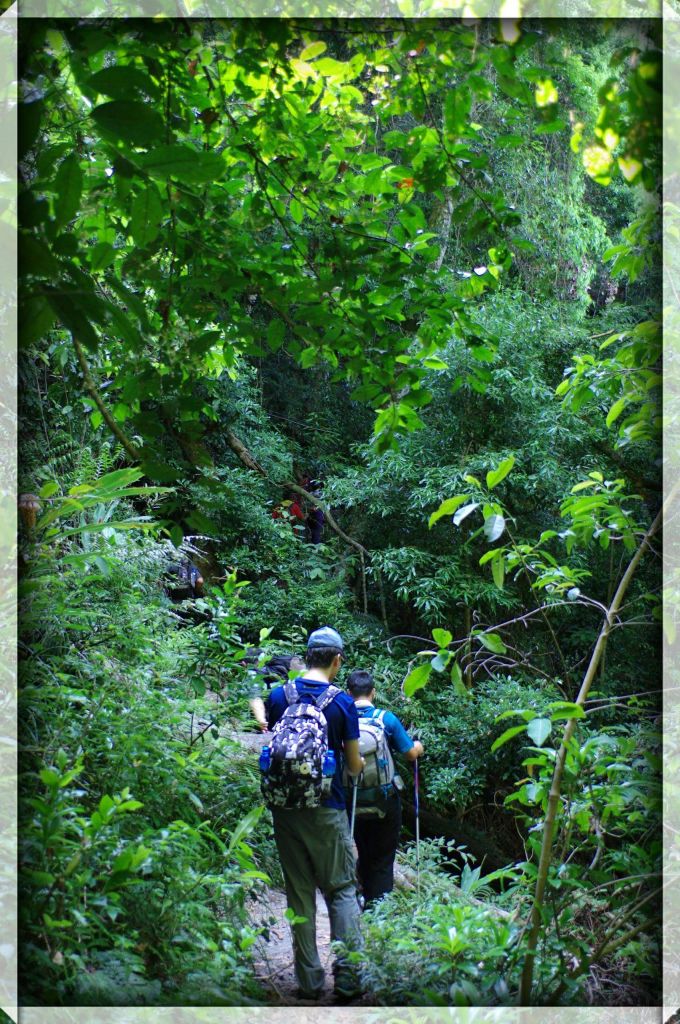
408, 273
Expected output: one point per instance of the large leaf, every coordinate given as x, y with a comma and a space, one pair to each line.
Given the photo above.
442, 637
416, 679
494, 476
492, 642
182, 162
509, 734
447, 508
36, 317
130, 121
564, 709
465, 511
494, 527
539, 729
245, 827
68, 184
122, 80
457, 680
147, 211
498, 571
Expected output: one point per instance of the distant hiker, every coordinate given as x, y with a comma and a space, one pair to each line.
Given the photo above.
315, 523
378, 804
185, 580
291, 510
315, 729
274, 672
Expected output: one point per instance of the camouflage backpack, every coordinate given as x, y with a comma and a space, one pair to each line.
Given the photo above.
298, 747
378, 777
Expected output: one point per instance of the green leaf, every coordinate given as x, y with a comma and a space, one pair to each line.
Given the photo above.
122, 80
616, 410
494, 476
441, 660
244, 827
313, 50
147, 212
447, 508
416, 679
182, 162
546, 93
176, 535
49, 777
464, 512
276, 332
130, 121
457, 680
539, 729
297, 211
101, 256
494, 526
498, 571
509, 734
504, 141
442, 637
526, 713
48, 489
36, 317
492, 642
551, 126
564, 710
68, 184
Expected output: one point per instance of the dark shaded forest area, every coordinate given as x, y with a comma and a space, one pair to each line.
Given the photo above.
360, 320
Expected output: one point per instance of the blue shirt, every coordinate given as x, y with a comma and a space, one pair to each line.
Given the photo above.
343, 724
397, 737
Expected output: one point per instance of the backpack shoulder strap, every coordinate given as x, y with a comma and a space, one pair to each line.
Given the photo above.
291, 694
327, 697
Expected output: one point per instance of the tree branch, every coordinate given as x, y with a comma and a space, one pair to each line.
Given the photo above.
132, 450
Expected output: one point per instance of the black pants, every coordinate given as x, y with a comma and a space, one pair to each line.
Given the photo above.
377, 840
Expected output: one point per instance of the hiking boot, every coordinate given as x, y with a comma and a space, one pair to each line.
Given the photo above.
309, 997
347, 994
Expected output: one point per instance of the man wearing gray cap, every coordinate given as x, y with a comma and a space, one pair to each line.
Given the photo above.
313, 842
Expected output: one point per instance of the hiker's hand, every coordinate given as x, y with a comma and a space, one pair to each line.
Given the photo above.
263, 727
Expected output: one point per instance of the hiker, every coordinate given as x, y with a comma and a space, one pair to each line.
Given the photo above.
315, 729
186, 580
292, 512
275, 671
315, 521
378, 805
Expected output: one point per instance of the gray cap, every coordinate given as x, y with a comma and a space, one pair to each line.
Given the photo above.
326, 636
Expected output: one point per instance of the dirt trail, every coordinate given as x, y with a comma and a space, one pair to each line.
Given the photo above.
273, 960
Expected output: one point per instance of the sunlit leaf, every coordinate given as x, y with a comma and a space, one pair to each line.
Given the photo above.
416, 679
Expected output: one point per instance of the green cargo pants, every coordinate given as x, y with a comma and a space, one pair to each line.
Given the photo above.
315, 850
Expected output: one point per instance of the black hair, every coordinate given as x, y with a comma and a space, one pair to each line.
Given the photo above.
360, 683
321, 657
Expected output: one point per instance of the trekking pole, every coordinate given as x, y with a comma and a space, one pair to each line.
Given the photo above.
416, 804
355, 781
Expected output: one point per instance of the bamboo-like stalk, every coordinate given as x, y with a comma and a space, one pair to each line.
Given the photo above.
534, 922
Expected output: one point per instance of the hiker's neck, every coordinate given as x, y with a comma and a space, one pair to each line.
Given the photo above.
363, 702
319, 675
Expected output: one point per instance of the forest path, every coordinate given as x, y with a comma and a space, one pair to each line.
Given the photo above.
273, 951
